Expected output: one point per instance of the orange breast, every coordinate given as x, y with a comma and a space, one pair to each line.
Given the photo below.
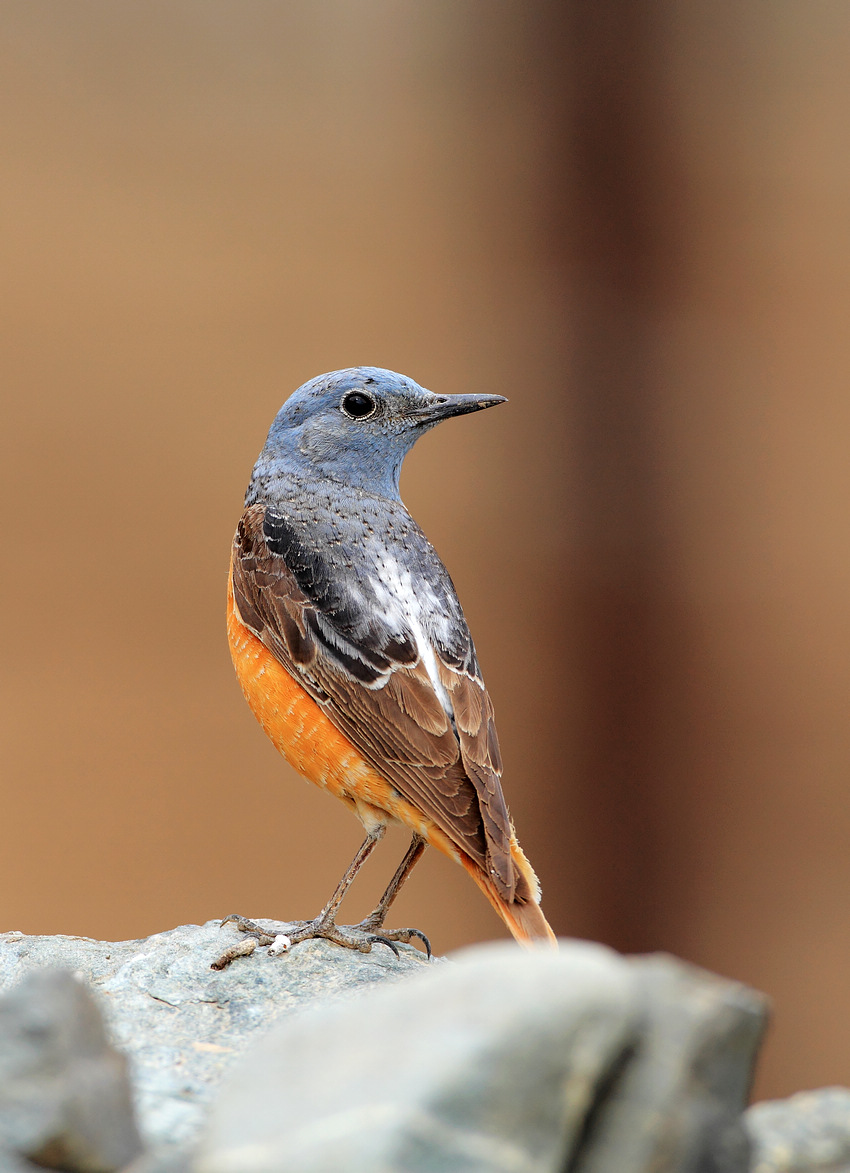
310, 742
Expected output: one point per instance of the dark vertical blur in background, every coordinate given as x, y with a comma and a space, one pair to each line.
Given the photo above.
632, 219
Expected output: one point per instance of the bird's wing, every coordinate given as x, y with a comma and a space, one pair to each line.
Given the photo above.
372, 683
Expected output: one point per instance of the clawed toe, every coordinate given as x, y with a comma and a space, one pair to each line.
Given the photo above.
376, 939
244, 925
405, 936
420, 936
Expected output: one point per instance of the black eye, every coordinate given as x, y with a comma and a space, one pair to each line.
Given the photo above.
358, 405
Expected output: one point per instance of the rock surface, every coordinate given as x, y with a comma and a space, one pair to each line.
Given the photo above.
491, 1063
180, 1023
503, 1062
65, 1099
808, 1133
677, 1103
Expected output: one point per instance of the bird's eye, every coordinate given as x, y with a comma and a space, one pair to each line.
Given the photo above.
358, 405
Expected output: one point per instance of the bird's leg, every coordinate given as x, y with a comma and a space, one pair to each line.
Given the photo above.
375, 920
361, 937
364, 851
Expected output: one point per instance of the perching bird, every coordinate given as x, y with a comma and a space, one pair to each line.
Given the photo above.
353, 652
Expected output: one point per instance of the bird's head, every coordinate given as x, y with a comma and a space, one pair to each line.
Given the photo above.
356, 426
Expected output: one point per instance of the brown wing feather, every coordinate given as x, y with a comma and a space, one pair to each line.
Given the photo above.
450, 775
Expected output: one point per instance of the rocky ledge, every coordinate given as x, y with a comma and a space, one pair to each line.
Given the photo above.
140, 1056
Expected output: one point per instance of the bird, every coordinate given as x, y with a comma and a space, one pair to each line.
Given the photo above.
352, 650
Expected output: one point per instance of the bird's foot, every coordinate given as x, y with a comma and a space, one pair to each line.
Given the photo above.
282, 937
405, 936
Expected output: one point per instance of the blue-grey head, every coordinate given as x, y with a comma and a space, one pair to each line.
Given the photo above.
355, 426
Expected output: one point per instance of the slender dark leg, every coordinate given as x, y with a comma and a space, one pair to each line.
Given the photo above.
365, 850
375, 920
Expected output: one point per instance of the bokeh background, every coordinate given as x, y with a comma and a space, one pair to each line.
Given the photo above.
630, 217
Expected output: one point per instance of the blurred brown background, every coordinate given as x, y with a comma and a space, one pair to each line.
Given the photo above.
629, 217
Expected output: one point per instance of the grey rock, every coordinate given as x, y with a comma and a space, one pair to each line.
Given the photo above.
502, 1062
488, 1065
676, 1104
808, 1133
14, 1163
180, 1023
65, 1098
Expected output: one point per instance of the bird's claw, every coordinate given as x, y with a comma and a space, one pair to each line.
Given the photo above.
377, 939
403, 935
244, 925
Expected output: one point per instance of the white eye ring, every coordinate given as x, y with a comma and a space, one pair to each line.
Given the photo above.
354, 402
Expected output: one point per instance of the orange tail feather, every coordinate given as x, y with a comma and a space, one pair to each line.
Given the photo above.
525, 919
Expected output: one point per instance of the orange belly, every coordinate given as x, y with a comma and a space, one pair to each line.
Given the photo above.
309, 741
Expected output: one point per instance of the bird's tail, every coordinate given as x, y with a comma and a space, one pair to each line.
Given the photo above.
523, 915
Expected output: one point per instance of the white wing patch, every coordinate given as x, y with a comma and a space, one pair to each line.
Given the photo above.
426, 654
402, 608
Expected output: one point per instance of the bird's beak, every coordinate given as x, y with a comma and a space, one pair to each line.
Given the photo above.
443, 407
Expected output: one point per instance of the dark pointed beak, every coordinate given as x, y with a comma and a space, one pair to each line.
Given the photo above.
443, 407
